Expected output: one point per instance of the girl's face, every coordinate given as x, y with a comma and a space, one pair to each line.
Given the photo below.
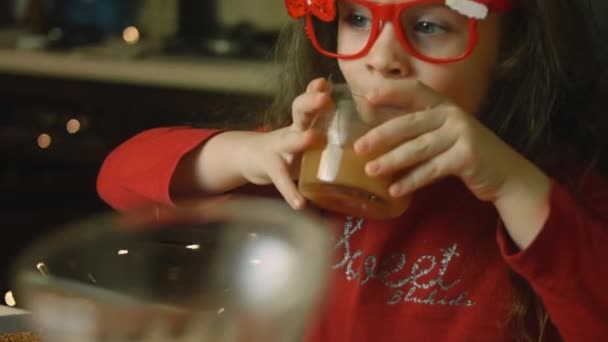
465, 82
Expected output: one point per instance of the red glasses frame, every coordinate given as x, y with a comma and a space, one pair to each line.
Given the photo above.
390, 13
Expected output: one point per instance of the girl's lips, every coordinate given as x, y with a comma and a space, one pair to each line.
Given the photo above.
379, 111
389, 110
377, 114
386, 105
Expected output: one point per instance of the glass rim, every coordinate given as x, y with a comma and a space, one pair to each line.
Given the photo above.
310, 233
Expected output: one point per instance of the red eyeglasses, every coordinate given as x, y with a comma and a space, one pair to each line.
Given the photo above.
429, 30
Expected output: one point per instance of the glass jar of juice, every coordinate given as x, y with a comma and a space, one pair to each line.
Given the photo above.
332, 175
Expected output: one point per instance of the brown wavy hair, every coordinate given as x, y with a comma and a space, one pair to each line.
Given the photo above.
547, 101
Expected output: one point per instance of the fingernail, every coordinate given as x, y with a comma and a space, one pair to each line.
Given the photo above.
361, 147
396, 190
372, 168
297, 203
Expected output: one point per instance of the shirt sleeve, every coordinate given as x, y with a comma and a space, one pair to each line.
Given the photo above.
138, 172
566, 263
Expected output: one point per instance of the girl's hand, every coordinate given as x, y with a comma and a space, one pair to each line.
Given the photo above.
307, 106
264, 158
274, 157
435, 139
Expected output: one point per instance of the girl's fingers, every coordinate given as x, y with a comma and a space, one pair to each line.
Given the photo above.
422, 175
416, 151
294, 141
307, 106
318, 85
397, 130
280, 176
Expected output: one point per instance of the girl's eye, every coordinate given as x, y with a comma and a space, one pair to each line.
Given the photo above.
357, 20
430, 28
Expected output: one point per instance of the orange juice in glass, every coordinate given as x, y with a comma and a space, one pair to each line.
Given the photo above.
332, 175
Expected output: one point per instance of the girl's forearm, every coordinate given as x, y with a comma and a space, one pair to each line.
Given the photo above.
524, 204
211, 168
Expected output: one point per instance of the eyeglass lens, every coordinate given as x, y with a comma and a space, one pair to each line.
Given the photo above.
432, 30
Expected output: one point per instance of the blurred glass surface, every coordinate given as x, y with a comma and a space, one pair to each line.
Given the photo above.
230, 269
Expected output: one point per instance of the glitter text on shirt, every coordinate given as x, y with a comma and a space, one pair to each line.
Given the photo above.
407, 289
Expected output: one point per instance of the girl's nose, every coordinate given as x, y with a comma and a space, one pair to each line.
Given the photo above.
387, 57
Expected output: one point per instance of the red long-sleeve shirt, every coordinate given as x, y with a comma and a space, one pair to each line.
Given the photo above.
440, 272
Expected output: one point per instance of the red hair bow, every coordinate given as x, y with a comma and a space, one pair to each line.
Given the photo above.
322, 9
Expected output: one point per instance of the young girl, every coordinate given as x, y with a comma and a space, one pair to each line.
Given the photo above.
497, 135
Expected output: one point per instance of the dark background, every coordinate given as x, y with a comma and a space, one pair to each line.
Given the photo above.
41, 189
